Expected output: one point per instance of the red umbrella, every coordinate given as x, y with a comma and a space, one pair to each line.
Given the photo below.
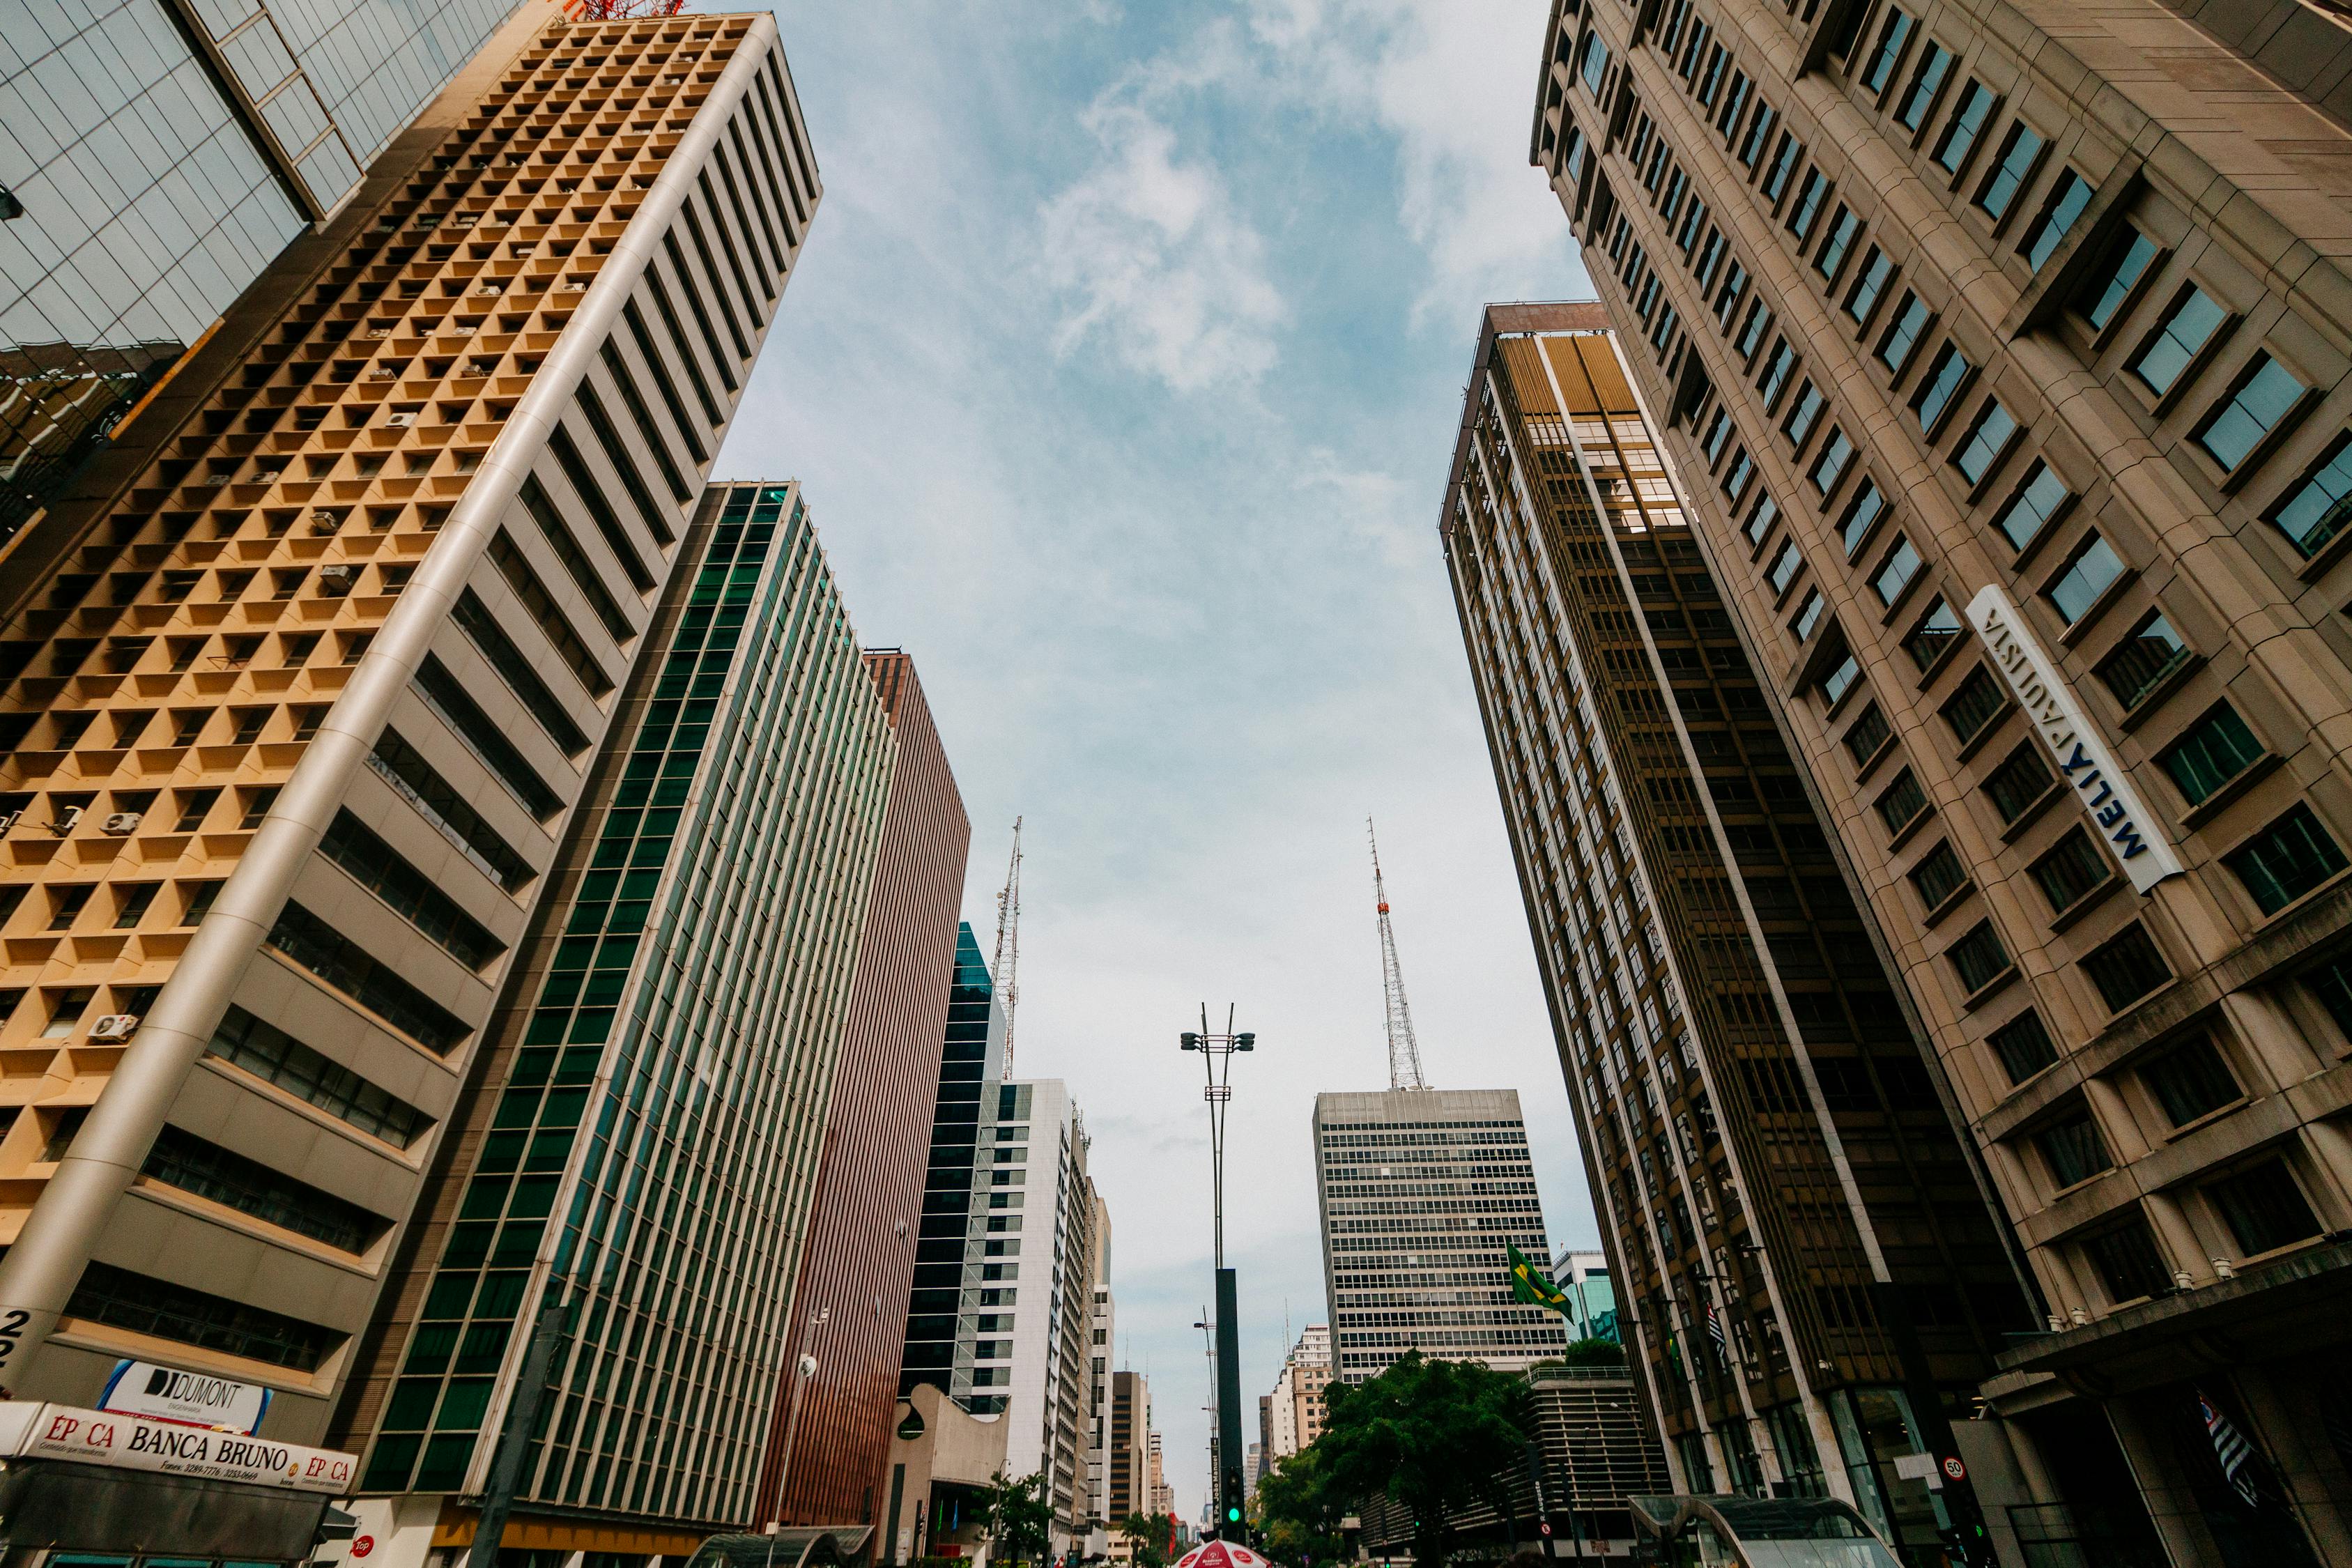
1223, 1554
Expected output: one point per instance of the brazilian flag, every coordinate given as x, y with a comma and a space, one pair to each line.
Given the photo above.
1531, 1285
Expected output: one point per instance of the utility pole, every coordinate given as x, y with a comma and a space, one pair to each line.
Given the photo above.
1217, 1053
522, 1419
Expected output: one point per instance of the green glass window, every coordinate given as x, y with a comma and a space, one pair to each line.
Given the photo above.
2023, 1046
2191, 1081
1785, 566
2121, 266
2285, 860
2069, 194
1785, 156
1809, 614
1869, 280
1926, 81
1893, 34
1894, 572
2186, 331
2314, 510
1804, 412
1760, 519
2071, 872
1961, 130
1840, 679
1812, 193
1901, 339
1830, 467
2089, 572
1986, 439
1837, 242
1978, 958
1862, 515
2128, 968
2265, 394
2215, 750
1947, 374
2009, 175
2029, 511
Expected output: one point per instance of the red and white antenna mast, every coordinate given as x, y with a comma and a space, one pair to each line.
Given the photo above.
1404, 1052
1006, 969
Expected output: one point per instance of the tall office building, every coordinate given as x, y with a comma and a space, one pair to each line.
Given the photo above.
1163, 1495
659, 1077
157, 156
972, 1061
1295, 1408
290, 751
1102, 1336
1129, 1478
1420, 1192
1812, 1270
830, 1432
2005, 354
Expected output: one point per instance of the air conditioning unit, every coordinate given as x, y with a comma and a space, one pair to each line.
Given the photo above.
123, 822
215, 481
401, 421
115, 1026
67, 821
8, 820
339, 574
577, 286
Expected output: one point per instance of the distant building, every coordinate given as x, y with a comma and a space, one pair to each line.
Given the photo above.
1129, 1476
1583, 1278
1422, 1192
1294, 1411
1103, 1335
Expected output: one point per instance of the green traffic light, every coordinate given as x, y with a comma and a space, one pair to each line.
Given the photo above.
1233, 1515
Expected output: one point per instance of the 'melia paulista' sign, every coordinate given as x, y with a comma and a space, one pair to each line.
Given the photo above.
2082, 758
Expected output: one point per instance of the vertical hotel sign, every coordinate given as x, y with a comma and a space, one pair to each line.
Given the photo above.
2140, 843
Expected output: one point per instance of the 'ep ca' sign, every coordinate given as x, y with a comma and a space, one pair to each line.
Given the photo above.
2083, 762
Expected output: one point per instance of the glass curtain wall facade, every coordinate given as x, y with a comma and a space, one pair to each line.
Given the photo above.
1807, 1273
165, 152
2010, 381
287, 756
971, 1060
1419, 1192
858, 1265
645, 1141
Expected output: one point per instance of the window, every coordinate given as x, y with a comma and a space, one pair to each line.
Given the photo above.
1785, 566
145, 1305
1947, 372
257, 803
1726, 299
67, 903
1718, 431
2035, 502
1752, 330
1737, 474
1808, 616
449, 700
2215, 750
2023, 1046
192, 1164
383, 870
1868, 732
2191, 1082
1765, 513
2141, 661
1829, 468
2264, 1208
1903, 804
1894, 572
1804, 411
2089, 572
1812, 191
2121, 266
1870, 281
1901, 339
2069, 194
2018, 154
1839, 681
1978, 958
1975, 705
2266, 395
2286, 859
1934, 636
2177, 343
2315, 509
1961, 130
2331, 985
1759, 130
1880, 68
2127, 1262
1938, 876
1784, 163
200, 902
1986, 439
2073, 1150
1837, 243
1862, 515
1595, 64
2071, 872
1778, 366
135, 901
2128, 968
515, 668
1926, 81
312, 943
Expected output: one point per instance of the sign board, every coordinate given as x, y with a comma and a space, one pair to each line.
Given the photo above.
2132, 833
35, 1431
1954, 1468
189, 1398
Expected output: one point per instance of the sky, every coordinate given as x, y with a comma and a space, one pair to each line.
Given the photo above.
1121, 369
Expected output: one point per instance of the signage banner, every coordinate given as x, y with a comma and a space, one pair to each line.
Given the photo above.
190, 1398
2086, 765
125, 1441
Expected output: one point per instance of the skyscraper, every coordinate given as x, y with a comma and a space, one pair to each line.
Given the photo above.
2006, 365
291, 752
1420, 1192
1130, 1425
157, 157
972, 1061
831, 1434
1811, 1270
682, 1005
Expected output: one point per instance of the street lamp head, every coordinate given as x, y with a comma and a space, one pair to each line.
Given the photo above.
1189, 1041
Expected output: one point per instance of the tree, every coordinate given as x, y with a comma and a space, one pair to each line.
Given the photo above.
1149, 1534
1432, 1435
1018, 1517
1299, 1511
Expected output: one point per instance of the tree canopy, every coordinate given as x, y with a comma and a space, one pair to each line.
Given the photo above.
1150, 1536
1432, 1435
1018, 1518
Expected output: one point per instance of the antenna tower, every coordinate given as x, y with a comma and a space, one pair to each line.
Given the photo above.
1404, 1053
1007, 965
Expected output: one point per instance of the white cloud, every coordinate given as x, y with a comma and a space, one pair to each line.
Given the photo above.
1151, 253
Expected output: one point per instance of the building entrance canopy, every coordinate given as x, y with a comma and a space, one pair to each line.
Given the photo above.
1757, 1532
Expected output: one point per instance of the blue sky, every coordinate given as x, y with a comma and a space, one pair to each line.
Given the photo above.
1121, 369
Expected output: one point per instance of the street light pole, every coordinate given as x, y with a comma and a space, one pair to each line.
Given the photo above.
1217, 1053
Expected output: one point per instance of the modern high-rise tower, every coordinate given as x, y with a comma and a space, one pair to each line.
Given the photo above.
1811, 1272
289, 749
1421, 1191
2005, 350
